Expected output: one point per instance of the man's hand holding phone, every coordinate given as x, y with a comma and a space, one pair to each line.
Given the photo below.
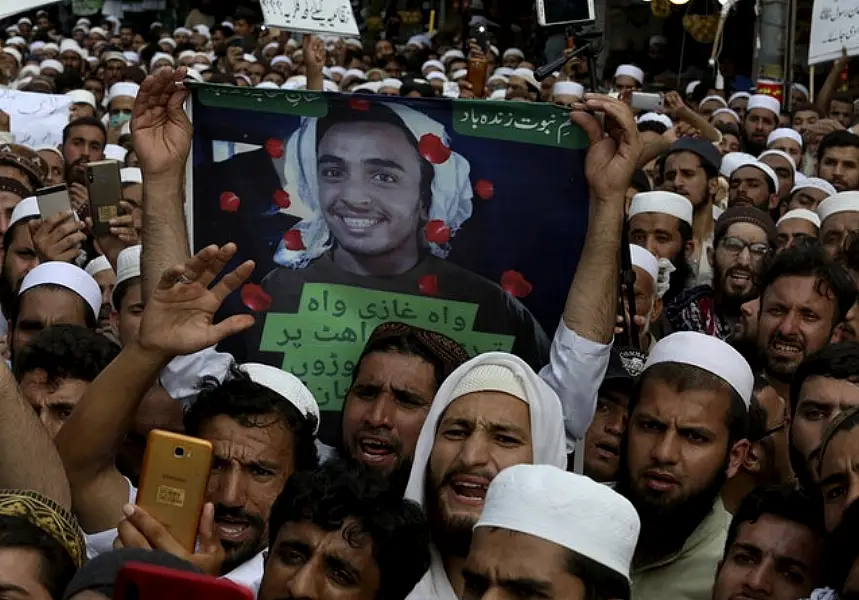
57, 238
140, 530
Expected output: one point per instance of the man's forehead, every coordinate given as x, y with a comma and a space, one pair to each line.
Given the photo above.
683, 159
654, 220
748, 173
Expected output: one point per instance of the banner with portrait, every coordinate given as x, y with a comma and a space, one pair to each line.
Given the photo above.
465, 217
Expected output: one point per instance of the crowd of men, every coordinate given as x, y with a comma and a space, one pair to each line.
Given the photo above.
711, 458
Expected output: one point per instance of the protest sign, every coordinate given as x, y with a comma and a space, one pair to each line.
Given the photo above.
36, 119
464, 217
13, 7
834, 28
333, 17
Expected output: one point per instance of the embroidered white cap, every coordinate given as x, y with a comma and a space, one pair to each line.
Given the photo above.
838, 203
570, 510
800, 213
780, 154
82, 97
666, 203
123, 88
784, 133
765, 102
708, 353
52, 63
762, 167
287, 385
97, 265
65, 275
732, 160
738, 96
815, 183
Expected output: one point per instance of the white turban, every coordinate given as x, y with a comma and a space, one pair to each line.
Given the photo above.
451, 187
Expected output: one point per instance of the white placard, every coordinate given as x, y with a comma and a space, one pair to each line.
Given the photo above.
834, 26
12, 7
36, 119
311, 16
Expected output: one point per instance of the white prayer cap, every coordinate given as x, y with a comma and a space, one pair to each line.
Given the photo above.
336, 70
69, 45
271, 46
25, 20
270, 85
432, 64
436, 75
354, 43
182, 31
187, 54
296, 82
494, 50
123, 88
133, 174
630, 71
762, 167
202, 30
51, 46
691, 87
451, 54
54, 64
643, 259
391, 83
169, 41
65, 275
356, 73
708, 353
838, 203
815, 183
801, 89
799, 177
800, 213
131, 57
99, 31
287, 385
127, 267
726, 111
97, 265
568, 88
513, 52
527, 75
37, 45
285, 59
657, 39
83, 21
330, 86
782, 154
737, 96
570, 510
29, 71
292, 43
500, 78
12, 29
249, 58
504, 71
17, 41
656, 118
14, 54
27, 208
112, 55
717, 99
459, 74
161, 56
784, 133
765, 102
498, 95
732, 160
370, 86
115, 152
666, 203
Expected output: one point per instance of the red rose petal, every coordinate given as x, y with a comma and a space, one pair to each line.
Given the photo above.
281, 198
293, 241
361, 104
229, 202
255, 298
484, 189
275, 148
437, 232
428, 285
515, 284
433, 149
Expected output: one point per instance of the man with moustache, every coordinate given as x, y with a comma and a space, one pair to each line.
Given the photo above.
753, 183
810, 193
804, 296
83, 141
661, 222
839, 219
823, 389
686, 437
744, 241
760, 121
838, 160
491, 413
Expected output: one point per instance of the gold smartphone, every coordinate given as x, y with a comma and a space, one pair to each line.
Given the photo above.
105, 191
173, 483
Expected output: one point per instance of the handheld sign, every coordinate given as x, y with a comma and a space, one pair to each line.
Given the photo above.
13, 7
834, 30
333, 17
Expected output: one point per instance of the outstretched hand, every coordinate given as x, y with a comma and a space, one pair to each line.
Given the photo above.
161, 131
614, 146
179, 317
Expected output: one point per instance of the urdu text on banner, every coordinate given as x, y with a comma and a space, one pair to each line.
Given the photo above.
463, 217
834, 28
36, 119
334, 17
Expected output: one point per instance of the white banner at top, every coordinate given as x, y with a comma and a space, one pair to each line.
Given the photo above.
333, 17
13, 7
834, 28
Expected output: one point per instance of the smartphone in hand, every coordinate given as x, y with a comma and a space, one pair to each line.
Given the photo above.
53, 200
105, 191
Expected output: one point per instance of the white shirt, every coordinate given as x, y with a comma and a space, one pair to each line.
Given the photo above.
248, 574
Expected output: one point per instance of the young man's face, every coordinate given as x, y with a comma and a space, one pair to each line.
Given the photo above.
842, 112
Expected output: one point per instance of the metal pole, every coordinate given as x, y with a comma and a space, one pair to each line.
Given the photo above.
789, 54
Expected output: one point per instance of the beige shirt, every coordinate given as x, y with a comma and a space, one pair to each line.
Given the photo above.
689, 574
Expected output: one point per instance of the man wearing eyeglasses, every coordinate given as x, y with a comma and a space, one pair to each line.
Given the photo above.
743, 241
767, 461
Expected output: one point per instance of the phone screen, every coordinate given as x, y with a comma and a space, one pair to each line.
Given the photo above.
53, 200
